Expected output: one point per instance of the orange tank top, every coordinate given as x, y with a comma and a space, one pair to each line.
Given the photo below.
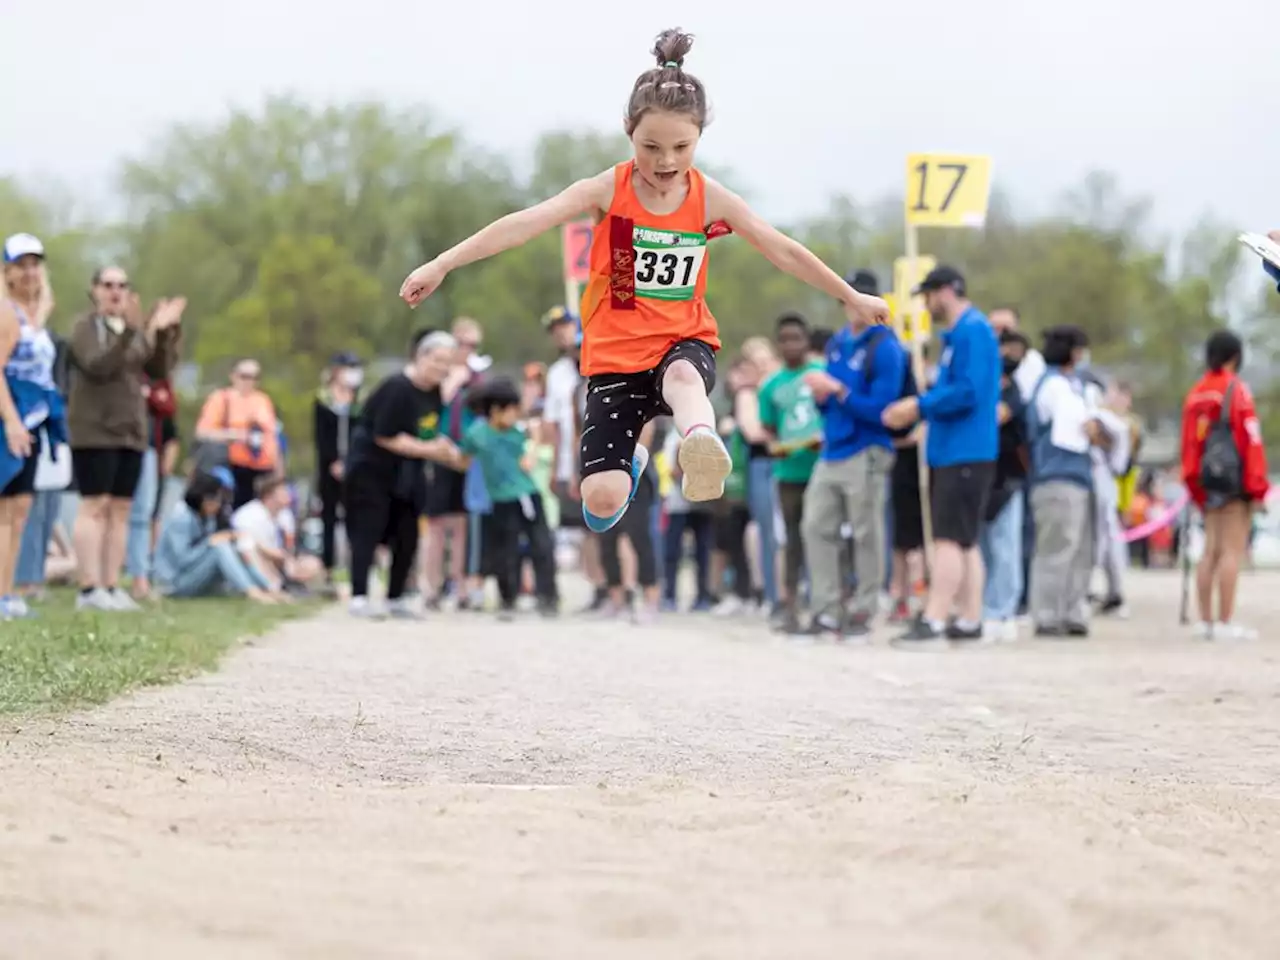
647, 289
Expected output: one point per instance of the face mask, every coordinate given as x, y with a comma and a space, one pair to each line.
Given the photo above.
1010, 365
353, 378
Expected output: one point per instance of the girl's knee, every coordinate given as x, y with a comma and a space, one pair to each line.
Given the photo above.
604, 494
683, 373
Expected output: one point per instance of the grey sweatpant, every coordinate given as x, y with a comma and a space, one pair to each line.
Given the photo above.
1063, 562
852, 491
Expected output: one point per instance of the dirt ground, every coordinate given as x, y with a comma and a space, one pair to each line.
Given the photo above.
464, 789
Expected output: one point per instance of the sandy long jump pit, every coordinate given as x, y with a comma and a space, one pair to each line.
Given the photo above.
465, 789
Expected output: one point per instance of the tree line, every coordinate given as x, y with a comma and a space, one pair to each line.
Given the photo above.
290, 228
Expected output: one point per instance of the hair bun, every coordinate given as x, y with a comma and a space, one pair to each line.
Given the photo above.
672, 46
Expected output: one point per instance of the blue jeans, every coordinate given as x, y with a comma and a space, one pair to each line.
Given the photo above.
36, 535
761, 502
1001, 544
137, 562
219, 568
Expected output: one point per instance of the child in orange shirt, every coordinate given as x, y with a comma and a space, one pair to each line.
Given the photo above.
648, 339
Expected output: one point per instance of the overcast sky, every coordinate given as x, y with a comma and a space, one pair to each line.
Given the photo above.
811, 97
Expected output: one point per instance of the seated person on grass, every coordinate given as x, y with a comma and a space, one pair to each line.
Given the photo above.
259, 520
194, 558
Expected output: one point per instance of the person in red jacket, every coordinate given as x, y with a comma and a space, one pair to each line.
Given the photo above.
1227, 521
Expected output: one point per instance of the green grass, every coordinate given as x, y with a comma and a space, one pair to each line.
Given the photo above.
65, 659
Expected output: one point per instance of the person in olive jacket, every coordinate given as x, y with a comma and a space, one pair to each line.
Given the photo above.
112, 347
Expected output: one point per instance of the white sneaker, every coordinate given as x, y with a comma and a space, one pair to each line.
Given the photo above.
364, 609
403, 609
1202, 630
730, 606
14, 608
1000, 631
1233, 631
121, 601
706, 465
95, 599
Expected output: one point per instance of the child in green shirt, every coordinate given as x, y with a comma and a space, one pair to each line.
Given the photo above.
498, 444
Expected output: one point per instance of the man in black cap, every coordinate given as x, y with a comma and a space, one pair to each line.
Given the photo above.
961, 447
864, 281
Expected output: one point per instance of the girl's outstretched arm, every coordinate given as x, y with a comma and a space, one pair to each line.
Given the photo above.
585, 196
790, 255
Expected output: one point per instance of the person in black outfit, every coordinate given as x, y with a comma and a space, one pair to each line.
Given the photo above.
335, 410
399, 428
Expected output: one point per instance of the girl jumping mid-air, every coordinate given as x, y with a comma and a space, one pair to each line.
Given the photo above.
648, 339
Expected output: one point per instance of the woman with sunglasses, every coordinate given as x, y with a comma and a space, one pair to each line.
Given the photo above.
114, 347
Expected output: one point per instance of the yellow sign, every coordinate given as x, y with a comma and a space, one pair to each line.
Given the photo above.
914, 317
947, 190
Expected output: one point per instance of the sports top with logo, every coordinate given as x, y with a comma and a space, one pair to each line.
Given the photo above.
647, 290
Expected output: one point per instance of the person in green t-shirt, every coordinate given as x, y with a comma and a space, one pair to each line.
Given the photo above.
497, 442
790, 414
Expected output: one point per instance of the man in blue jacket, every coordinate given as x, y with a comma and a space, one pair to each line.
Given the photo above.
961, 446
865, 373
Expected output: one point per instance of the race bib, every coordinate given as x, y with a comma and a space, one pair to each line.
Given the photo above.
668, 263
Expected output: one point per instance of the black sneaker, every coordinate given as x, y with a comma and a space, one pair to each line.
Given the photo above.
1112, 605
598, 601
789, 624
1077, 630
825, 625
549, 608
822, 625
920, 636
1050, 631
960, 634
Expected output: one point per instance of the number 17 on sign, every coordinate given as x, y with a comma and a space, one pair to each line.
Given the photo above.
947, 190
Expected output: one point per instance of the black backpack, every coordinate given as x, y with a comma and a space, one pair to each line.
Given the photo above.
1221, 466
908, 388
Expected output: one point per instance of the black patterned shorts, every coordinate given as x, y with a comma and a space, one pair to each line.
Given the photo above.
620, 404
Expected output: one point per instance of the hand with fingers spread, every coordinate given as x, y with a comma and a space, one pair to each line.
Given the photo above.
168, 313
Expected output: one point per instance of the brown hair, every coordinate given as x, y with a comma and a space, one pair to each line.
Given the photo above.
266, 486
668, 87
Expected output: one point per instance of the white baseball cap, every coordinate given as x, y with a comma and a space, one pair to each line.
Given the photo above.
22, 245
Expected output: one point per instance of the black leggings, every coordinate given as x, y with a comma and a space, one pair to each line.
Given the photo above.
330, 499
731, 540
503, 530
637, 527
375, 517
